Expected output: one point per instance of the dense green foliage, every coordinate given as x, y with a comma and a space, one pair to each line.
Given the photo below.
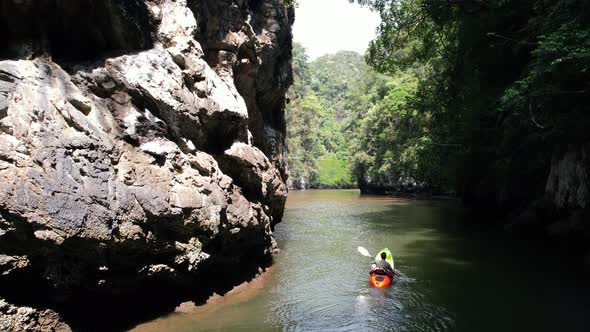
348, 124
303, 115
317, 116
333, 173
505, 88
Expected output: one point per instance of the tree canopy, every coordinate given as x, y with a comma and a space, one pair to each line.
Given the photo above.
472, 96
506, 86
350, 125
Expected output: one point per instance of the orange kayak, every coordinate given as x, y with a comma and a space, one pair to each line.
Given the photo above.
378, 277
379, 281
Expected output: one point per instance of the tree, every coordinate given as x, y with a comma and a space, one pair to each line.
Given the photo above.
303, 119
505, 87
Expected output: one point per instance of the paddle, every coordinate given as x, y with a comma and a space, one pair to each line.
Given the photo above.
364, 251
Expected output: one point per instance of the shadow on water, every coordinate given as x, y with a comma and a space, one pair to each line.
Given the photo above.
484, 279
454, 277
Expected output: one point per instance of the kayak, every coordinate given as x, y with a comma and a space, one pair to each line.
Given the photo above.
380, 281
379, 277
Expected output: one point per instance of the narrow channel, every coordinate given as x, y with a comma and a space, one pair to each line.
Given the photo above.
453, 278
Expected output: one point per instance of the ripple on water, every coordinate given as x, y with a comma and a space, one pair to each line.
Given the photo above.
326, 283
302, 303
320, 282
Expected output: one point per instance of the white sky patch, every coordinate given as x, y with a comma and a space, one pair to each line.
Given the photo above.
329, 26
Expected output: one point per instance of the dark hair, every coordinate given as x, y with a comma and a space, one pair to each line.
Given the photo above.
383, 255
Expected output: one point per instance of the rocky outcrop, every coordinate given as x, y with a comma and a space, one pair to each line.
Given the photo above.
237, 50
141, 149
568, 181
298, 183
567, 193
395, 185
562, 212
21, 319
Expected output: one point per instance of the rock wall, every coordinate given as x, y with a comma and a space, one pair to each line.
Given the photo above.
562, 212
399, 186
568, 181
567, 194
142, 151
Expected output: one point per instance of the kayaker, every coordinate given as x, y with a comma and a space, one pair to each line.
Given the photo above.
382, 263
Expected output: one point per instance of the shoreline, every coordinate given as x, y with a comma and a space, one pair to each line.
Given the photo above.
238, 295
425, 196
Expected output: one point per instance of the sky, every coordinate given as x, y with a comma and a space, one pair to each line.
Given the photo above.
329, 26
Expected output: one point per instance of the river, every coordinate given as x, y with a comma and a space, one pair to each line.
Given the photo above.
455, 277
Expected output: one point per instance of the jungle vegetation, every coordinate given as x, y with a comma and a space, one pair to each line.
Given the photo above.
474, 97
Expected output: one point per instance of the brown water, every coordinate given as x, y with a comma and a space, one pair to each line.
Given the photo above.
454, 277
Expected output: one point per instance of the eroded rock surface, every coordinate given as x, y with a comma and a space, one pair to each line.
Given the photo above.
567, 191
568, 181
562, 213
21, 319
159, 159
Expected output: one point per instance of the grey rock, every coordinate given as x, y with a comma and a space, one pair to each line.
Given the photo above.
21, 319
568, 182
162, 159
257, 176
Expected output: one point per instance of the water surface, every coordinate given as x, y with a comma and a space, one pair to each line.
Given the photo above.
454, 278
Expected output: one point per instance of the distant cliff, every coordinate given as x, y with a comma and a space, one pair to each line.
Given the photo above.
142, 154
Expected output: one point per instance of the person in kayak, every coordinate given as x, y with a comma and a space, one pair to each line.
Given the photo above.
382, 263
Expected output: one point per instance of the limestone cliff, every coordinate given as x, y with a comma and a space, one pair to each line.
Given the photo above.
142, 154
563, 211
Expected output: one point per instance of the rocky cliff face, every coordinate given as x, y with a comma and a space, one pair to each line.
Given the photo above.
401, 185
567, 195
568, 181
562, 211
142, 153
